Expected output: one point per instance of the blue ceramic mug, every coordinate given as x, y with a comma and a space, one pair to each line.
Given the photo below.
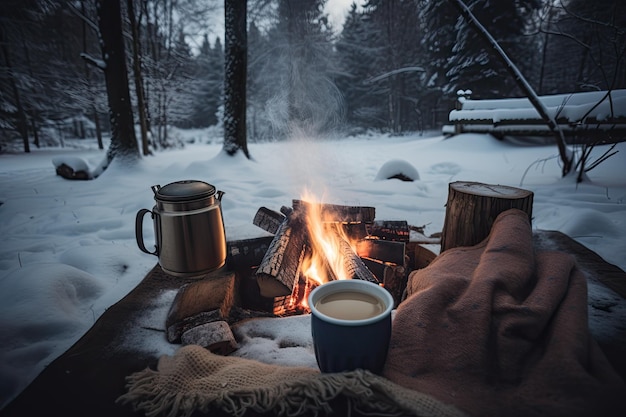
351, 325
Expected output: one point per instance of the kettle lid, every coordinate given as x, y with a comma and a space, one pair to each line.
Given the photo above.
186, 190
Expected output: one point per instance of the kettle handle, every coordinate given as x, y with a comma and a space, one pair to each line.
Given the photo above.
139, 232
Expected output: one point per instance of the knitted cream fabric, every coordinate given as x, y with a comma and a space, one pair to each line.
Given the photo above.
194, 379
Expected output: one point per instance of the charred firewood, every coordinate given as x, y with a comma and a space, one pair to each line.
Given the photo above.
391, 252
352, 263
268, 220
396, 230
279, 268
338, 213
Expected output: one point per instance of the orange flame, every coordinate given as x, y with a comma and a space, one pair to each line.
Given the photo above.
325, 245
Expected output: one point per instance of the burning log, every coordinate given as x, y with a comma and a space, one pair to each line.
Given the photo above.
353, 264
392, 252
338, 213
278, 271
395, 230
295, 303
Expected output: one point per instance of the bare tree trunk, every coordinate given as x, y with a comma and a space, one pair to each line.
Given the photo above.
141, 105
235, 63
566, 157
96, 120
123, 139
94, 110
22, 122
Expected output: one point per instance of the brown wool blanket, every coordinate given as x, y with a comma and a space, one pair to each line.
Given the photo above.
499, 330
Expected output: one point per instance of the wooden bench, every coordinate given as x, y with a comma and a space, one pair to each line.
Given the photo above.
584, 117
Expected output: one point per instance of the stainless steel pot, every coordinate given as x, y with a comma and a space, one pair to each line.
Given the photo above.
189, 228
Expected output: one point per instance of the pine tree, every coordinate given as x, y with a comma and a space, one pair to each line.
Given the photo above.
398, 71
472, 65
305, 97
358, 58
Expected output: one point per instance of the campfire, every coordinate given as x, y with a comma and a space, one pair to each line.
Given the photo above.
310, 243
315, 243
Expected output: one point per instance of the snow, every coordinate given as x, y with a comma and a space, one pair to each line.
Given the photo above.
68, 248
571, 107
397, 167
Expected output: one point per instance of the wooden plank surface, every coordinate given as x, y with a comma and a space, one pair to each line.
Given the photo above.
90, 376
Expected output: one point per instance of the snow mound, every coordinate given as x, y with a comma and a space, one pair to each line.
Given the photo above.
397, 168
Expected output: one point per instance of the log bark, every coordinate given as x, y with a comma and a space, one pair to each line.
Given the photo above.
396, 230
395, 282
247, 253
472, 208
338, 213
268, 220
383, 250
353, 264
419, 256
201, 302
278, 271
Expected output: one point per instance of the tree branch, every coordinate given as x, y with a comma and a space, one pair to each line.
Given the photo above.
98, 63
522, 83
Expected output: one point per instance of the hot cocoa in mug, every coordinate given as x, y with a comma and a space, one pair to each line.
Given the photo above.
350, 305
350, 325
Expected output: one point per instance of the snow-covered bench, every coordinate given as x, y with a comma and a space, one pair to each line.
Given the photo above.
588, 116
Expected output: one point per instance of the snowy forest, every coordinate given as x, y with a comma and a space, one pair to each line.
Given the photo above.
394, 66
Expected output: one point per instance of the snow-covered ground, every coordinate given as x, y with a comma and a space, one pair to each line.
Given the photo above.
68, 248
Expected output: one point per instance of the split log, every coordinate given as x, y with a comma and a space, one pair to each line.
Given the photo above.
419, 256
174, 331
268, 220
296, 303
201, 302
384, 250
337, 213
395, 282
247, 253
396, 230
352, 263
215, 336
472, 208
278, 270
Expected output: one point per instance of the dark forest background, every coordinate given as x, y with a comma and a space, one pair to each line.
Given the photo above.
395, 66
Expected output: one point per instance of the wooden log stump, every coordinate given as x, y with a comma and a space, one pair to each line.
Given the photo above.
472, 208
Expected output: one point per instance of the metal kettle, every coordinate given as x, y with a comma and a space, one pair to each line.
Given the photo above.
189, 228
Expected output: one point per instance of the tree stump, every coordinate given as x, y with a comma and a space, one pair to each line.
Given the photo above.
472, 208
